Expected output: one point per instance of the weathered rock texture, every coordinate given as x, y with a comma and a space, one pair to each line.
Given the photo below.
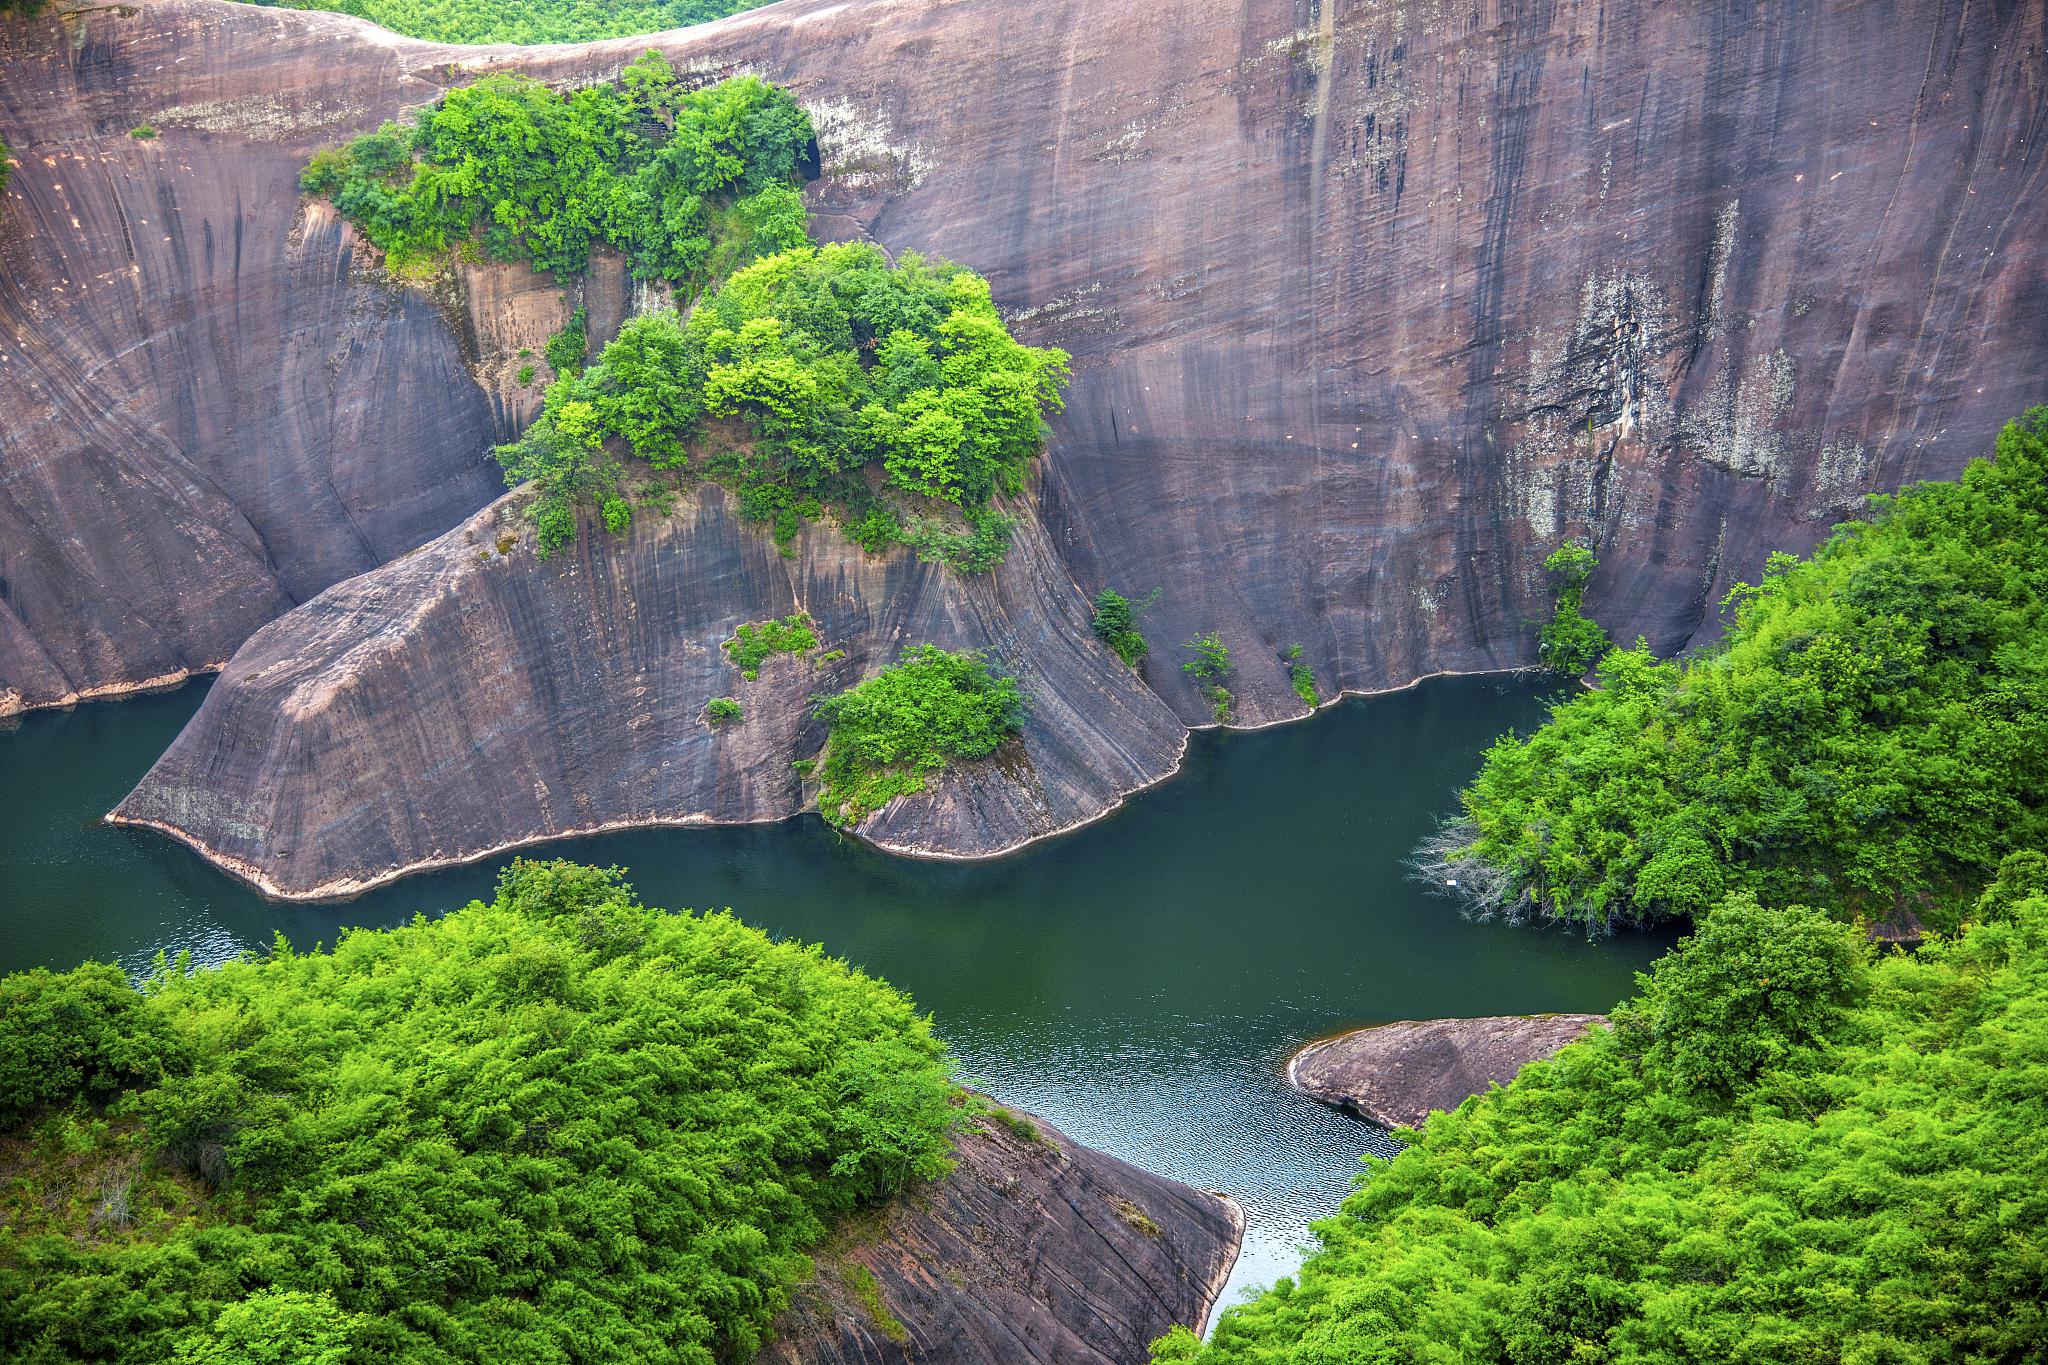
514, 699
1033, 1250
1371, 304
214, 409
1397, 1075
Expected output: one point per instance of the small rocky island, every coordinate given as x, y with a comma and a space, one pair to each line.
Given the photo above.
1398, 1074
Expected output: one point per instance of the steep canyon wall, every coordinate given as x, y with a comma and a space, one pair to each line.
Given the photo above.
1370, 303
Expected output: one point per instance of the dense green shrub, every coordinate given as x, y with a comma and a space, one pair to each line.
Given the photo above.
143, 132
720, 710
1778, 1153
885, 736
1116, 624
1302, 678
1871, 737
79, 1032
567, 349
1572, 641
807, 372
1208, 668
559, 1126
642, 164
529, 21
753, 642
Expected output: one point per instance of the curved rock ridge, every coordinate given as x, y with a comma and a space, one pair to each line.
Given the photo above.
1397, 1075
1370, 306
470, 697
1034, 1249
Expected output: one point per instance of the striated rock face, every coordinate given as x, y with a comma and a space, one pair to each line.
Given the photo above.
1033, 1250
469, 696
1371, 304
1397, 1075
214, 409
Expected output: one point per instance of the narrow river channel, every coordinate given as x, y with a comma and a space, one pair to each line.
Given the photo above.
1139, 982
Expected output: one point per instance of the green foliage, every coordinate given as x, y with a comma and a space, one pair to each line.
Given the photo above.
529, 22
275, 1327
1302, 678
719, 710
807, 373
1115, 624
78, 1032
1212, 657
868, 1291
642, 164
526, 373
980, 548
6, 164
566, 349
1871, 737
753, 642
143, 132
1779, 1153
558, 1126
1572, 641
885, 736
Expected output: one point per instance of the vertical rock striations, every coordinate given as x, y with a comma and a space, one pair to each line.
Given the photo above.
470, 696
1371, 303
1033, 1250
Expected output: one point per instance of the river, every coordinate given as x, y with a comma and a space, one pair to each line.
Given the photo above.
1139, 982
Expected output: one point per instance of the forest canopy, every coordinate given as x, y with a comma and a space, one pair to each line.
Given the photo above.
819, 376
801, 377
644, 164
1871, 737
556, 1126
1781, 1151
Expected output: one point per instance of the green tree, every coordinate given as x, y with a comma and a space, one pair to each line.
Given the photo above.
1115, 624
1871, 736
1571, 641
887, 735
556, 1125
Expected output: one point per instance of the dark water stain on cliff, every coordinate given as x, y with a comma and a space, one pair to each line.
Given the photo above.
1138, 982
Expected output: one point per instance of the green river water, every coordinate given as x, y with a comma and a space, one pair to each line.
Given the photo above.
1139, 982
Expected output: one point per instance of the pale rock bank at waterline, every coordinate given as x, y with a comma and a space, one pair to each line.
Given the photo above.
1398, 1074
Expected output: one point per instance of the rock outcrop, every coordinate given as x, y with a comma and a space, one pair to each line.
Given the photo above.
1033, 1250
515, 699
1397, 1075
1371, 303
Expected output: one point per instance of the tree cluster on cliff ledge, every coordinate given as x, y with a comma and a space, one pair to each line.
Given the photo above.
813, 378
889, 392
559, 1126
926, 710
1871, 736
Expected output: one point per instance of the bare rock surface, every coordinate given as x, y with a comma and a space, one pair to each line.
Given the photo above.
1398, 1074
1371, 304
1034, 1249
513, 699
215, 406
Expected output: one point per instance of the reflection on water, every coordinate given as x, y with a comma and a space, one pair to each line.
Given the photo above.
1140, 982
